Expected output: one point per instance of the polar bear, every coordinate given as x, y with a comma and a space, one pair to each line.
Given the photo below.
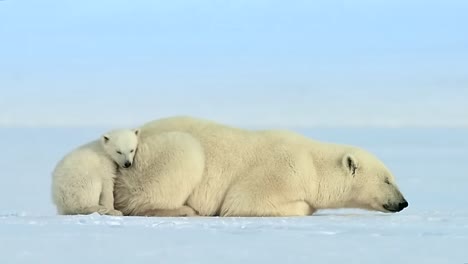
254, 173
83, 181
165, 171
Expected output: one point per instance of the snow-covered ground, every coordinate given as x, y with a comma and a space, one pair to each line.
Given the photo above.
431, 167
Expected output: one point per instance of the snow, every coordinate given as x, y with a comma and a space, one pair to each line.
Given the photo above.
430, 166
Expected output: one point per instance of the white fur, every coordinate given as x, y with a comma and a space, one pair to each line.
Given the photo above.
165, 170
82, 182
250, 173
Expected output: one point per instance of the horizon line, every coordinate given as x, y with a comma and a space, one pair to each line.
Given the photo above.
245, 125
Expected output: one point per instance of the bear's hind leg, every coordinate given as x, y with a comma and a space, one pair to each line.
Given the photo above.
102, 210
182, 211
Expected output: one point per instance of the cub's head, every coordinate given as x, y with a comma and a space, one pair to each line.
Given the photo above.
373, 186
121, 146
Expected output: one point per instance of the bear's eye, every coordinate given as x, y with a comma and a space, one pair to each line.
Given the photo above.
387, 181
131, 151
119, 152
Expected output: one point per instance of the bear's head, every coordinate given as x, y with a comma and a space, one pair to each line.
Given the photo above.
121, 146
373, 186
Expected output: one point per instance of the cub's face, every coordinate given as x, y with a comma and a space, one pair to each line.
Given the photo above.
121, 146
373, 185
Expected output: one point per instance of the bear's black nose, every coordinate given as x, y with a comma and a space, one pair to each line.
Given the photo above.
402, 205
127, 164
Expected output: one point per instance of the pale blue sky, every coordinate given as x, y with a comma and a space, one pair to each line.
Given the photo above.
261, 63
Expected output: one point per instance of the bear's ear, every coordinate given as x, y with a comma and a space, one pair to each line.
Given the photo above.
350, 163
137, 131
105, 139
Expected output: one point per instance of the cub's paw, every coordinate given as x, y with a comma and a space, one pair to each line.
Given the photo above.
102, 210
114, 212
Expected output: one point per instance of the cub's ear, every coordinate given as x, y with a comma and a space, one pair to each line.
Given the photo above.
137, 131
350, 163
105, 139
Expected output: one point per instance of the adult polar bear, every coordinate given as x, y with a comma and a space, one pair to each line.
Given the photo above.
190, 163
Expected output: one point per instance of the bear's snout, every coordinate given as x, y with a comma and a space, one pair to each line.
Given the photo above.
396, 207
127, 164
403, 205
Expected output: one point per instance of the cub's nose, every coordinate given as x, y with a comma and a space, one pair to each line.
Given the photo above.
402, 205
127, 164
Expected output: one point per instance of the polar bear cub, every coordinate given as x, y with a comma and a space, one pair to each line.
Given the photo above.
83, 181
